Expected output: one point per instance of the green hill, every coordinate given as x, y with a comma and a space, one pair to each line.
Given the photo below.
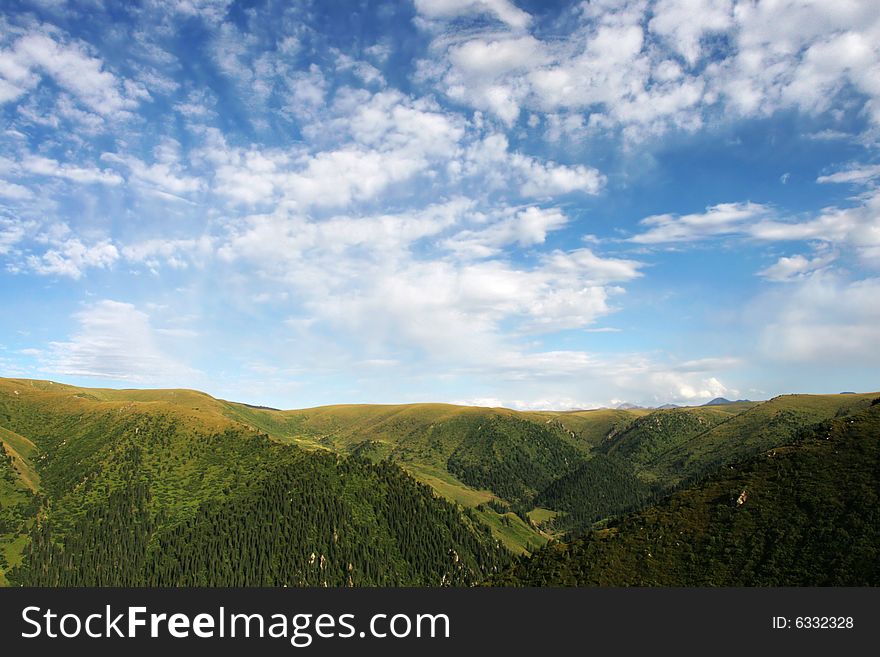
810, 516
170, 482
467, 454
19, 499
651, 436
160, 492
757, 428
602, 487
666, 449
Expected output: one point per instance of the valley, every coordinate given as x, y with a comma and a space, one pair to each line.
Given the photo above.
175, 487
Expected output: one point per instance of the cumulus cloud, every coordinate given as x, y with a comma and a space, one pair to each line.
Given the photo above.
787, 269
548, 380
71, 257
391, 139
684, 23
13, 231
430, 226
646, 67
72, 67
13, 191
378, 278
175, 253
491, 158
527, 227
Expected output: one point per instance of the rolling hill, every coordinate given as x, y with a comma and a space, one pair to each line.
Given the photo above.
169, 482
157, 491
803, 514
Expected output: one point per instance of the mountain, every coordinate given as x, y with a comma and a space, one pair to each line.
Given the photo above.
157, 488
468, 456
160, 486
661, 451
805, 514
743, 429
626, 406
721, 401
666, 406
473, 456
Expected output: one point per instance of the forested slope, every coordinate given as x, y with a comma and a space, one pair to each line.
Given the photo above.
152, 493
807, 514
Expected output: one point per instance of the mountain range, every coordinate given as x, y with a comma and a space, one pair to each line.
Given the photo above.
175, 487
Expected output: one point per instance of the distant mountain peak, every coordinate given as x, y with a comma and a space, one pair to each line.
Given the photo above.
665, 406
721, 401
626, 406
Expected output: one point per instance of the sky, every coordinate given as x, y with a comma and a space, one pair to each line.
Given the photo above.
527, 204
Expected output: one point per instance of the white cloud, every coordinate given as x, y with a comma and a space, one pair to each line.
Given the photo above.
685, 22
391, 139
791, 268
858, 175
605, 67
283, 239
491, 159
307, 91
504, 10
792, 54
71, 67
823, 320
855, 227
645, 67
721, 219
115, 340
14, 192
526, 228
563, 380
165, 174
44, 166
708, 364
13, 231
364, 71
71, 257
210, 10
377, 279
489, 58
175, 253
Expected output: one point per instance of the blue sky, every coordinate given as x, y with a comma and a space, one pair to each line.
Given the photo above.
536, 205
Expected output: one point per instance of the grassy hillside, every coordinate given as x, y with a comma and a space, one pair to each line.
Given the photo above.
184, 460
656, 433
663, 450
759, 427
19, 499
469, 455
159, 491
810, 516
